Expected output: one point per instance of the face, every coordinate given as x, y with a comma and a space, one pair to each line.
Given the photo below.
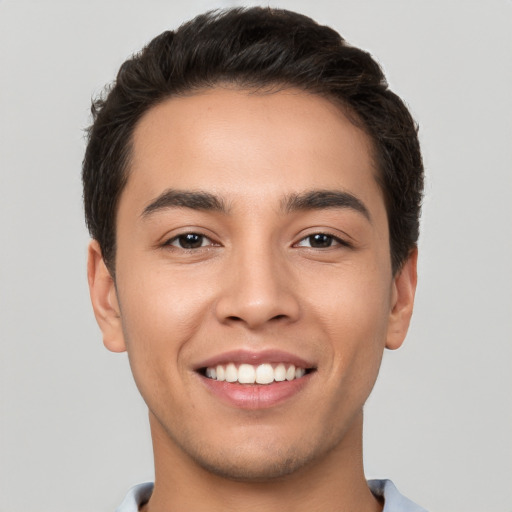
254, 291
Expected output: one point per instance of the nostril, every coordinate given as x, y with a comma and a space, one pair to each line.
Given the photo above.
234, 318
255, 311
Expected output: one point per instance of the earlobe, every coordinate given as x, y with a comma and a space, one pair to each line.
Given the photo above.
104, 299
402, 301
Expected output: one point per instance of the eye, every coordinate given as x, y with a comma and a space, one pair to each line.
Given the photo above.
321, 241
189, 241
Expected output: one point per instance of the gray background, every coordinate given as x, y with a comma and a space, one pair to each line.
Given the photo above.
74, 432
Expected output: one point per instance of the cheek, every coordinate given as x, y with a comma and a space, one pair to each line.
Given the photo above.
157, 324
352, 302
159, 306
160, 314
354, 312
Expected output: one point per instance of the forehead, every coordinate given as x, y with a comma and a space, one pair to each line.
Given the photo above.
239, 143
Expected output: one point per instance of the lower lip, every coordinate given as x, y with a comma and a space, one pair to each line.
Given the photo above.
255, 396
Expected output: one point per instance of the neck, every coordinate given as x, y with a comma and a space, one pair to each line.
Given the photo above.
334, 482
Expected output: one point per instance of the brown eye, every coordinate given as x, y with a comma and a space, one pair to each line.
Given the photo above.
189, 241
321, 241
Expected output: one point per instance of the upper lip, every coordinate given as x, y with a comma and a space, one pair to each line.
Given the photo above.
255, 358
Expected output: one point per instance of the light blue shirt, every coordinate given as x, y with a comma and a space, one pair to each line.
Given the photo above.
393, 500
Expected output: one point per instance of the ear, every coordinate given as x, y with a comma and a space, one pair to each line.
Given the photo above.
104, 299
402, 301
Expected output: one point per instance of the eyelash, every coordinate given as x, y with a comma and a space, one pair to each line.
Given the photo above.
332, 240
182, 236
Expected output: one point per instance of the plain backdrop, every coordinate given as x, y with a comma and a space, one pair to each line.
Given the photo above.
74, 433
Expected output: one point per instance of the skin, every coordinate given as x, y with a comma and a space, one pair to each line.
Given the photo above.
255, 283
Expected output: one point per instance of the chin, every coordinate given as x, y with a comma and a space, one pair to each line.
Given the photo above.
244, 467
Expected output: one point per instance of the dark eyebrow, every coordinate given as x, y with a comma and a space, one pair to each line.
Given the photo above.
195, 200
322, 199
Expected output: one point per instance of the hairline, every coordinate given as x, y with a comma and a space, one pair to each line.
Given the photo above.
263, 88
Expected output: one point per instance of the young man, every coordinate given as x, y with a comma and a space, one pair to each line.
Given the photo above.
253, 189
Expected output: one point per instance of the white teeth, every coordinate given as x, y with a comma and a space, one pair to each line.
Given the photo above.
221, 373
299, 372
290, 373
280, 373
246, 374
264, 374
231, 373
250, 374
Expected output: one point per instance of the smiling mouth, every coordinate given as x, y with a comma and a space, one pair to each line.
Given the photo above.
263, 374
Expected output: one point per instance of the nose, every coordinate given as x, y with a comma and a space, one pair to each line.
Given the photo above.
257, 290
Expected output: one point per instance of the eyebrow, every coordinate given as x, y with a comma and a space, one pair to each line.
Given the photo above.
311, 200
324, 199
195, 200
